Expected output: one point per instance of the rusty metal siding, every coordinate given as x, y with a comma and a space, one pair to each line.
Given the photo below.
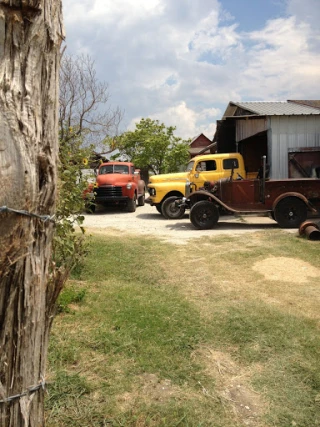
290, 132
249, 127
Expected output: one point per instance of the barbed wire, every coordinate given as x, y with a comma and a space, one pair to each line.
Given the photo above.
30, 390
44, 218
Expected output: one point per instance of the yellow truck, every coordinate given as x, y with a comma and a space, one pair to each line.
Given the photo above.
165, 189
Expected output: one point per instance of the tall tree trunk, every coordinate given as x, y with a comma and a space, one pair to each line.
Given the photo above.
30, 37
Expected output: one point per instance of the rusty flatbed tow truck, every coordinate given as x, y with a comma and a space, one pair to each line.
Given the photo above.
287, 201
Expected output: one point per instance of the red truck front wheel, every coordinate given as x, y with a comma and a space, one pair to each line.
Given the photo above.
204, 215
132, 204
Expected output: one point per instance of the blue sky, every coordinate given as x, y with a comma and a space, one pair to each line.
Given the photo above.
182, 61
252, 14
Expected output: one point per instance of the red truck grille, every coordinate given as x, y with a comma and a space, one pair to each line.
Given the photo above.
110, 191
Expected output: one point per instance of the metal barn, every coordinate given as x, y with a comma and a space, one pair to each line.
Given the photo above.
288, 133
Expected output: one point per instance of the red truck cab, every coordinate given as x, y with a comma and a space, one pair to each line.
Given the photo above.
117, 183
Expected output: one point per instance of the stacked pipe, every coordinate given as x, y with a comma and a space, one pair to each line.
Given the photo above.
310, 229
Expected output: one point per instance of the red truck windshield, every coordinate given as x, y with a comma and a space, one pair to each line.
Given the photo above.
114, 169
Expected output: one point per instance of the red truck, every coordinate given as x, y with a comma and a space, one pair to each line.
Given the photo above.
117, 183
287, 201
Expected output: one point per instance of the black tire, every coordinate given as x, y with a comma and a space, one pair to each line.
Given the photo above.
158, 207
141, 200
204, 215
290, 212
90, 207
132, 204
169, 209
271, 215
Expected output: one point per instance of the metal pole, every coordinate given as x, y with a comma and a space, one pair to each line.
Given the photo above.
263, 179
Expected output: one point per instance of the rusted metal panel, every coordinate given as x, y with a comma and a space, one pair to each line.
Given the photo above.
245, 195
309, 188
304, 162
310, 229
240, 193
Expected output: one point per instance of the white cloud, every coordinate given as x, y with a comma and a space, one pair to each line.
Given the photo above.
182, 61
106, 11
218, 41
189, 123
280, 61
306, 11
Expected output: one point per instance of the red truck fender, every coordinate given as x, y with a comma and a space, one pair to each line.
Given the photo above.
141, 187
205, 195
294, 194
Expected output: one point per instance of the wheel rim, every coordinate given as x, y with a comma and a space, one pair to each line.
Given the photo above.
173, 209
290, 213
170, 210
204, 215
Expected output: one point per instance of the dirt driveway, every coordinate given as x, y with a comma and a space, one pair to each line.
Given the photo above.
147, 221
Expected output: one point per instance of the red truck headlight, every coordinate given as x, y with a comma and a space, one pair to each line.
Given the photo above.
129, 185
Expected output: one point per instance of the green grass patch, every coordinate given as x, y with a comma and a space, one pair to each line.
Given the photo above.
160, 336
70, 295
260, 331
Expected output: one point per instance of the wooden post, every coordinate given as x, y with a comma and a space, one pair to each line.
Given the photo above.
30, 38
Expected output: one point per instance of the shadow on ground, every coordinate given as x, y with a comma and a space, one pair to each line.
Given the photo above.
224, 225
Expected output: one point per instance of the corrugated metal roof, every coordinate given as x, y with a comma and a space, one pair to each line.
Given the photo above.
280, 108
312, 103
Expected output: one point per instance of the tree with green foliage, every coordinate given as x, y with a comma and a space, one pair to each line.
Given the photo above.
153, 146
69, 246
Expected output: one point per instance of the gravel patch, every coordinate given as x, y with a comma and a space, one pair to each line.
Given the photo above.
148, 222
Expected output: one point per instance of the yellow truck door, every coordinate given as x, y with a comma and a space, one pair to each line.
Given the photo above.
214, 169
204, 170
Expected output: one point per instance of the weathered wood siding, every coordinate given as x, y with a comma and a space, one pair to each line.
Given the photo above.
201, 142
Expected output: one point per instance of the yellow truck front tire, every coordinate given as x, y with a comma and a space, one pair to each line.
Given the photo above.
169, 209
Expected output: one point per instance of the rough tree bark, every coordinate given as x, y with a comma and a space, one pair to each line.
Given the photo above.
30, 37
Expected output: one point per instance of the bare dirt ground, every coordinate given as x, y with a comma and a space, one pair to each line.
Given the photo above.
147, 221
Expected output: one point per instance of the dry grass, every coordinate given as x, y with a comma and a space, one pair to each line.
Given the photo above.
222, 332
245, 269
233, 385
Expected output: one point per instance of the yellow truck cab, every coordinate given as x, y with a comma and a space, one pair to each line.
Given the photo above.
164, 189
